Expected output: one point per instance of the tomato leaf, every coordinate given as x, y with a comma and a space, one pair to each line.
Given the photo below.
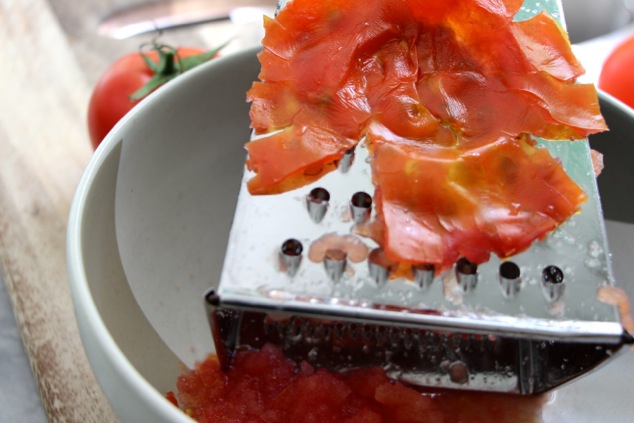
156, 81
192, 61
150, 63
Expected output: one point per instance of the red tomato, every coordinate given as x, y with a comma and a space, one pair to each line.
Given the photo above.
617, 77
110, 98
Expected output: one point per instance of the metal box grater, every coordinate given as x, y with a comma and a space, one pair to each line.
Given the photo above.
523, 326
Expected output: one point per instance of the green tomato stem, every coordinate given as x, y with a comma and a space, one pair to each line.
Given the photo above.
169, 66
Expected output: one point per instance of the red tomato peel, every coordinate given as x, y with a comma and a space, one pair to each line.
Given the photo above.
444, 91
497, 198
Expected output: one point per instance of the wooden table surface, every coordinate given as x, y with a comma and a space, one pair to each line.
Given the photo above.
52, 57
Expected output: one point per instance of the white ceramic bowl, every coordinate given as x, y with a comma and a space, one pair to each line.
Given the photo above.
131, 362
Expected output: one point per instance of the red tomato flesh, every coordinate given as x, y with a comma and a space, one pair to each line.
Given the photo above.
439, 86
265, 387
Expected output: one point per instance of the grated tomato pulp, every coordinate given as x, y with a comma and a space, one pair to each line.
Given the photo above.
264, 387
447, 96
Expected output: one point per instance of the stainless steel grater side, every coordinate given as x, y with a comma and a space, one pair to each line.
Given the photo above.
298, 275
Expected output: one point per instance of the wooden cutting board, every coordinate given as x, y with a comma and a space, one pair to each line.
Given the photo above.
51, 58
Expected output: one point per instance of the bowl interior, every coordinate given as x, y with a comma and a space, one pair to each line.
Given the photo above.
124, 320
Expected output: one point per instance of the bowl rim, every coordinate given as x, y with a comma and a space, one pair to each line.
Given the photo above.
615, 102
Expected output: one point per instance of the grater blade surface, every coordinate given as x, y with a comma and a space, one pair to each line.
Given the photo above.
524, 325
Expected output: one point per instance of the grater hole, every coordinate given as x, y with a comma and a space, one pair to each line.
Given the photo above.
294, 329
361, 207
368, 335
317, 202
353, 331
292, 248
338, 331
335, 261
553, 283
509, 270
423, 275
381, 336
290, 256
379, 265
509, 278
552, 274
465, 267
347, 160
408, 339
466, 274
395, 337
